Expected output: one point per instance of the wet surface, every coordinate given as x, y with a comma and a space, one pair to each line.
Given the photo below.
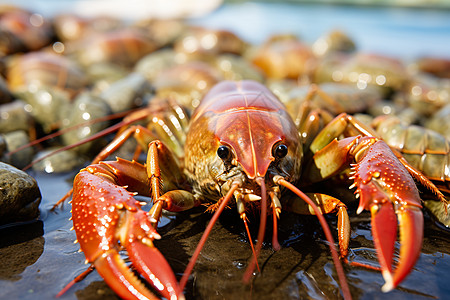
39, 258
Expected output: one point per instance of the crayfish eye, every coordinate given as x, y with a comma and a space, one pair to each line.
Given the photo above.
223, 152
280, 151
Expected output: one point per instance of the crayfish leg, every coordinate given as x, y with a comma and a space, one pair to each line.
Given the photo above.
337, 263
327, 204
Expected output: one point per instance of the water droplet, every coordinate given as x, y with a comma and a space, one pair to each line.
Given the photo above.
239, 264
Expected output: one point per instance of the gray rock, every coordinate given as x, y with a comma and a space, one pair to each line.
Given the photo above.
437, 209
64, 161
19, 195
127, 93
3, 147
13, 140
14, 116
85, 108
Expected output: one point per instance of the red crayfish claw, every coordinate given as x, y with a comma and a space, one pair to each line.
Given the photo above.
387, 189
105, 214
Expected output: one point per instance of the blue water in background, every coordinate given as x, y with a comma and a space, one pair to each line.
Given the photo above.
406, 33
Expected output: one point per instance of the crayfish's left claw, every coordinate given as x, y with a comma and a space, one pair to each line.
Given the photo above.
384, 231
388, 191
411, 236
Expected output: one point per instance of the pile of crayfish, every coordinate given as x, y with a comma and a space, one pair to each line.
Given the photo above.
222, 123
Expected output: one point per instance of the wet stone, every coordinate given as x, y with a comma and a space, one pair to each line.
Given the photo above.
61, 162
2, 147
102, 75
127, 93
154, 63
13, 140
437, 209
86, 107
19, 195
45, 105
5, 94
13, 116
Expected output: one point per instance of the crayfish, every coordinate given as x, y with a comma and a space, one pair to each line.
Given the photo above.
241, 146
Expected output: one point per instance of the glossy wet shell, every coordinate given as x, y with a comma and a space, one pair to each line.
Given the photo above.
95, 219
440, 122
383, 177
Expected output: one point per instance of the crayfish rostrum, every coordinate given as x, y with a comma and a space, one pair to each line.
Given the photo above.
241, 147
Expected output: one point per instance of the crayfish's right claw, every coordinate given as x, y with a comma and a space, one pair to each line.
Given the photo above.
411, 236
117, 274
136, 237
149, 262
105, 213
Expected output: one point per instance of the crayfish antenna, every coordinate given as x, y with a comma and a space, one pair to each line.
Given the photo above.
244, 218
68, 147
215, 217
337, 263
63, 199
262, 228
68, 129
139, 115
75, 280
276, 209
